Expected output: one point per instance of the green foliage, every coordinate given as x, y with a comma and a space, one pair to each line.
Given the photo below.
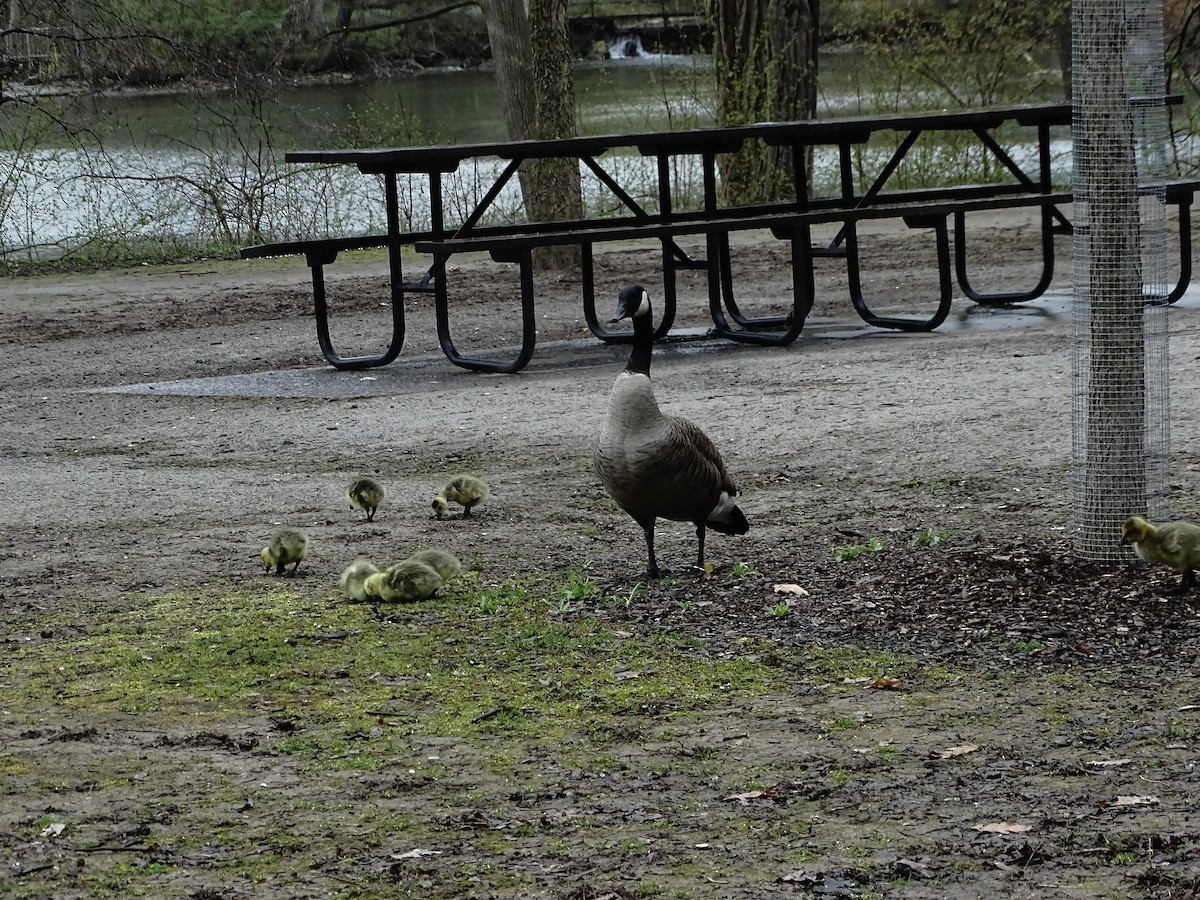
854, 551
930, 538
986, 53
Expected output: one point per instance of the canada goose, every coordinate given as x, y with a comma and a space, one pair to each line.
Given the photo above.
366, 493
465, 490
441, 561
287, 547
658, 466
404, 582
353, 580
1176, 543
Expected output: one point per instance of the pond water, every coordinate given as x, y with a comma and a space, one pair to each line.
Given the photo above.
209, 168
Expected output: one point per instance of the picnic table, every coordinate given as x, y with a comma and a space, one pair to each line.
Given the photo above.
1025, 182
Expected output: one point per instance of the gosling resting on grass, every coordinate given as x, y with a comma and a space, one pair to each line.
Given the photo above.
405, 582
657, 466
465, 490
353, 580
441, 561
1177, 544
366, 494
288, 547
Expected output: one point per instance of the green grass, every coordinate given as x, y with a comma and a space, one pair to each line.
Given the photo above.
505, 659
854, 551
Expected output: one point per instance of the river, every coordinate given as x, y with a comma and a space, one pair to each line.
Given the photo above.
207, 169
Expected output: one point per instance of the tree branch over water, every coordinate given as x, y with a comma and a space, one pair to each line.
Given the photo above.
395, 23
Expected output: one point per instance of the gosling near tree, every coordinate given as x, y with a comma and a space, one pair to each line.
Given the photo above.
353, 580
465, 490
405, 582
1177, 544
288, 547
366, 494
659, 466
441, 561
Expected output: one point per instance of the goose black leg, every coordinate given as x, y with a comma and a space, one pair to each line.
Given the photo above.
1186, 583
700, 550
652, 568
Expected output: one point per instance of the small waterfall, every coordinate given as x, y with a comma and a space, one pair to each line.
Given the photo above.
625, 45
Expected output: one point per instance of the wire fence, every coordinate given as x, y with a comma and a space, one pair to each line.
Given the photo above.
1120, 384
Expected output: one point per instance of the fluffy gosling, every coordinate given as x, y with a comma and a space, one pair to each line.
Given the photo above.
366, 494
405, 582
353, 580
1177, 544
441, 561
465, 490
288, 546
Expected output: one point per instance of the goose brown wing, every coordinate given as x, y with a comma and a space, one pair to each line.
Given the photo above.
708, 465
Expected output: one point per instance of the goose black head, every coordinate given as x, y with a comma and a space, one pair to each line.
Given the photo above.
632, 301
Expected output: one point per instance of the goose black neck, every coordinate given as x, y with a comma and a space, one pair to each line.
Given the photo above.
643, 344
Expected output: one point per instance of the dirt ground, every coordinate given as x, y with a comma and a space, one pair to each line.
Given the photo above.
1041, 740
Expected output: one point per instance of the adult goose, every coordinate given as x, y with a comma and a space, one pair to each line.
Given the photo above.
658, 466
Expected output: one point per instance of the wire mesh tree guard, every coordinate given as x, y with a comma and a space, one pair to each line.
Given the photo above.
1120, 387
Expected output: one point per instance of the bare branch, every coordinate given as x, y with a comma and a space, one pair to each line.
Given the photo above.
395, 23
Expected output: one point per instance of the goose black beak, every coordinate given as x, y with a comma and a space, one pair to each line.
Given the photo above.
628, 301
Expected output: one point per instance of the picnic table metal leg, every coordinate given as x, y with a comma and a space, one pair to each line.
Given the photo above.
803, 289
730, 301
1184, 202
441, 304
666, 320
1003, 298
936, 222
317, 260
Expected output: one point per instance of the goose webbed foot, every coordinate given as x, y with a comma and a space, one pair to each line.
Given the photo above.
1186, 582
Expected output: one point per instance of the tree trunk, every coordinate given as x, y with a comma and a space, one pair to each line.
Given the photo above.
80, 52
345, 12
311, 19
554, 183
765, 56
1108, 241
512, 55
538, 98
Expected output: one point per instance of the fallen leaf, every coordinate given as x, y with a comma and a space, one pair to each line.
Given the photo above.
960, 750
1007, 827
791, 589
416, 853
627, 675
748, 796
887, 683
1109, 763
1127, 800
54, 829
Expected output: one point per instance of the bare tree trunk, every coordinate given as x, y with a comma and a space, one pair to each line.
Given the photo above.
533, 70
310, 19
765, 55
1110, 479
345, 12
83, 63
554, 183
512, 54
12, 44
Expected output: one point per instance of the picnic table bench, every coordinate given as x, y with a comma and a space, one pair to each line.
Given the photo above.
1024, 186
